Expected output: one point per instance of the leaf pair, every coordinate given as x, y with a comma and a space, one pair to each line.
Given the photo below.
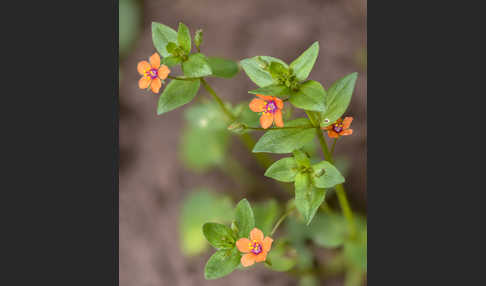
276, 78
310, 180
223, 238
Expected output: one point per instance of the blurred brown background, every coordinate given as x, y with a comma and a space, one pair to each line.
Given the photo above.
153, 182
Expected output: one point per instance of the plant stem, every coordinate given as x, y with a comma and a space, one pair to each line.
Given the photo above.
340, 192
285, 127
262, 158
333, 145
182, 78
281, 219
218, 100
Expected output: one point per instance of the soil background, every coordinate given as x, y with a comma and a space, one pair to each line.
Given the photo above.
153, 182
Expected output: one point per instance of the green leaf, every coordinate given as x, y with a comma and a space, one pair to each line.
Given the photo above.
338, 99
244, 218
256, 69
282, 257
273, 90
176, 94
284, 170
171, 61
172, 48
219, 235
265, 215
310, 96
307, 198
198, 207
278, 70
222, 67
286, 140
196, 66
302, 66
198, 37
301, 159
184, 38
222, 263
325, 175
328, 230
161, 36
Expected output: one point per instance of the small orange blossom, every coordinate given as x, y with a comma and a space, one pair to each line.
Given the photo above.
255, 248
340, 128
152, 74
271, 108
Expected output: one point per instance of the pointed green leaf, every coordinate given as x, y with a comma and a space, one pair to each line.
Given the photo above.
161, 36
222, 67
310, 96
284, 170
338, 99
302, 66
244, 218
176, 94
219, 235
222, 263
171, 61
273, 90
286, 140
184, 38
307, 198
196, 66
256, 69
325, 175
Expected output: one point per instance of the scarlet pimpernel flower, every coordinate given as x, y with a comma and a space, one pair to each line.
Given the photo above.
152, 73
255, 248
340, 128
271, 109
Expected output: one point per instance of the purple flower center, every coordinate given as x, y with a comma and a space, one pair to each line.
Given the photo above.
271, 107
153, 73
256, 248
337, 127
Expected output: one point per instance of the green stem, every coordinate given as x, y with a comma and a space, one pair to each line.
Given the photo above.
182, 78
285, 127
333, 145
218, 100
281, 219
340, 192
262, 158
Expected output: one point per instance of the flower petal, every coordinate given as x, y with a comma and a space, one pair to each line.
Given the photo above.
261, 257
155, 61
347, 122
332, 134
346, 132
279, 102
265, 97
163, 72
256, 234
243, 244
142, 67
144, 82
267, 244
248, 259
156, 84
257, 105
266, 120
278, 118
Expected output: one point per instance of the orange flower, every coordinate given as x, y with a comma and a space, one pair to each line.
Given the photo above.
152, 73
271, 108
255, 249
339, 128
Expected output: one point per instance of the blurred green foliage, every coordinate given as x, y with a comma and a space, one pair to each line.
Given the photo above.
205, 138
129, 24
201, 206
